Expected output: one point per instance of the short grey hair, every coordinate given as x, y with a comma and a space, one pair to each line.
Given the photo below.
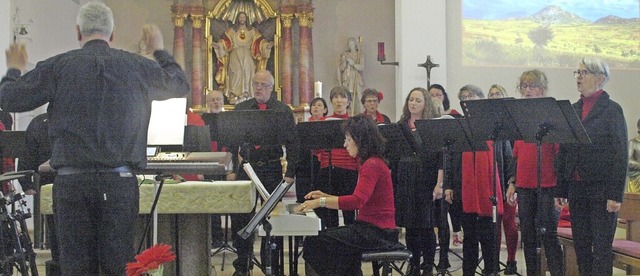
597, 67
95, 18
472, 89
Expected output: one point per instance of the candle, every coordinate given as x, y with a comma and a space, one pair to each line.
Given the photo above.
381, 56
317, 89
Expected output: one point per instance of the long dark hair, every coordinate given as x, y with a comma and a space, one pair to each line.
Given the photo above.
365, 134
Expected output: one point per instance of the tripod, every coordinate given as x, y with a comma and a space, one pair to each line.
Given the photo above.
16, 247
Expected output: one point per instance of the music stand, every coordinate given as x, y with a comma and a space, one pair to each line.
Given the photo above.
324, 135
545, 120
247, 128
253, 127
261, 218
447, 136
489, 119
400, 141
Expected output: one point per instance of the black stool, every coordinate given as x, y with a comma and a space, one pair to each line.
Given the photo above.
386, 260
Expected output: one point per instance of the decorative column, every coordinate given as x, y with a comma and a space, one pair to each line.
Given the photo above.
305, 69
286, 73
178, 16
197, 70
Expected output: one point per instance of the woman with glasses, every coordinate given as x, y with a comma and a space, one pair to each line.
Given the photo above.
592, 176
371, 99
437, 92
533, 206
338, 173
417, 179
478, 187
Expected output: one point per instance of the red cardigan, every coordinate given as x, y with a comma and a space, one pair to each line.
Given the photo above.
527, 169
373, 196
477, 178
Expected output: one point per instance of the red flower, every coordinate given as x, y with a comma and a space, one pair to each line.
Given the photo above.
380, 96
150, 259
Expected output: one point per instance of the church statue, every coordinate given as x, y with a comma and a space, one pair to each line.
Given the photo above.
351, 67
240, 51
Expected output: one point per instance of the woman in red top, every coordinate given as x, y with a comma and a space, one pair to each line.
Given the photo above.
318, 109
477, 191
533, 206
338, 171
337, 251
371, 99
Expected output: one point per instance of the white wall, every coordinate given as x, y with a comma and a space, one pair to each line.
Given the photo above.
5, 31
420, 31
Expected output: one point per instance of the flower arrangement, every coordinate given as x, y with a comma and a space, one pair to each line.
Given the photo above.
150, 261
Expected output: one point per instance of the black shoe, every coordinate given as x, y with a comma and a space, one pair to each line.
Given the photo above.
413, 271
428, 271
511, 269
443, 265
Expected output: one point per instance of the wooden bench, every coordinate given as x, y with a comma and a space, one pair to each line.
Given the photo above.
626, 253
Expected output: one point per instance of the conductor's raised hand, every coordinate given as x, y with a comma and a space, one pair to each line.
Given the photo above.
152, 38
17, 57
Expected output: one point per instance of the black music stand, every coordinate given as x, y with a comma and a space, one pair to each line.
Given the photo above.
447, 136
324, 135
400, 141
245, 129
541, 121
261, 218
489, 120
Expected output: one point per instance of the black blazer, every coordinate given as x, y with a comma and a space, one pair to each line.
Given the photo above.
601, 165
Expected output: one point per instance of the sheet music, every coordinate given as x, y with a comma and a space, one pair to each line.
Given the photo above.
256, 181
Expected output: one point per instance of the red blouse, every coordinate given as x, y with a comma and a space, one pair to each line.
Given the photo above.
373, 196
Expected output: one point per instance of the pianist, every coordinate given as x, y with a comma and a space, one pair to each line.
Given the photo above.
337, 251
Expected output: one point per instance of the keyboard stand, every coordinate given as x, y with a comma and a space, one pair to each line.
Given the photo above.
226, 247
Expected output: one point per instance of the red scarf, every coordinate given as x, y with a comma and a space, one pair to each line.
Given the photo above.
379, 118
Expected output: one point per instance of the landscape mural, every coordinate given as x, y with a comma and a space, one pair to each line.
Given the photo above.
550, 33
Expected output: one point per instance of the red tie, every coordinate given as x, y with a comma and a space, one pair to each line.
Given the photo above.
262, 106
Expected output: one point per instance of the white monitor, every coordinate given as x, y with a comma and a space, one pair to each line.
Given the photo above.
168, 118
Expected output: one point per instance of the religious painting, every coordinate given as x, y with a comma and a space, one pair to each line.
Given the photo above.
242, 37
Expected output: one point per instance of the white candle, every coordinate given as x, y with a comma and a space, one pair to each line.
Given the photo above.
317, 89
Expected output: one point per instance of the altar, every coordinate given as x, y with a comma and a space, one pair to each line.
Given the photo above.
184, 220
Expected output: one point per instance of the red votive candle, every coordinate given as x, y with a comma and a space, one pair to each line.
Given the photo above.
381, 56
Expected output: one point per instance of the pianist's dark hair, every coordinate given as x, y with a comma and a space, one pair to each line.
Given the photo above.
365, 134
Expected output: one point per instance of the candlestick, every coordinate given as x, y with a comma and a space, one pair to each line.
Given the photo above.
381, 56
317, 89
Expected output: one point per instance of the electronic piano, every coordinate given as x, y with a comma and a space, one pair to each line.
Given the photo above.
217, 163
285, 222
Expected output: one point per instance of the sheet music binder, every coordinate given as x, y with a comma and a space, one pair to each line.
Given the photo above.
400, 141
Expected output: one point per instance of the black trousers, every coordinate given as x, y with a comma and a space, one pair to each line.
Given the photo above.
422, 244
336, 181
479, 230
440, 210
547, 217
95, 215
593, 230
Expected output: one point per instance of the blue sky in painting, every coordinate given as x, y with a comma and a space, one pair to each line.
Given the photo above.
588, 9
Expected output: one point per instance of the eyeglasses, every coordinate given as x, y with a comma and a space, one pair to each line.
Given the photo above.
529, 85
580, 73
257, 85
467, 97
